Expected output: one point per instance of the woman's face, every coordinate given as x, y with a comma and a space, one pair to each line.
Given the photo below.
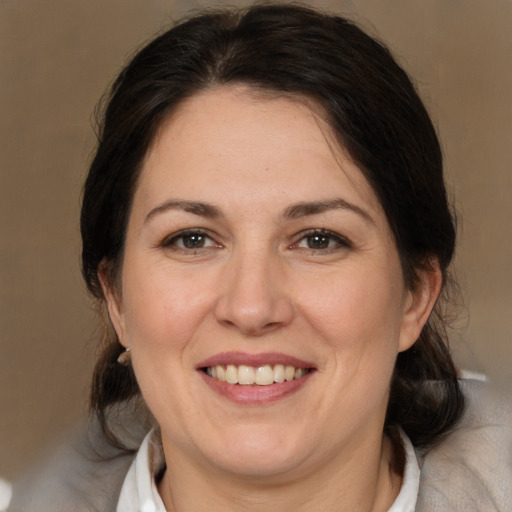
256, 251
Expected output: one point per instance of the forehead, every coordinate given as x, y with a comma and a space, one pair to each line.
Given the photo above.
236, 142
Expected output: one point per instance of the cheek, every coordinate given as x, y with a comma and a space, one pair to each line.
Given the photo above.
163, 315
162, 312
358, 317
356, 306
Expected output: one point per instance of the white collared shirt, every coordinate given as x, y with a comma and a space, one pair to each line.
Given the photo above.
139, 492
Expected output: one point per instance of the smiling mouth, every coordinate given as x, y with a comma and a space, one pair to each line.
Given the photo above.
264, 375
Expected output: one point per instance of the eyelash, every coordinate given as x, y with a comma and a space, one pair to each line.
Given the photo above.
340, 241
171, 242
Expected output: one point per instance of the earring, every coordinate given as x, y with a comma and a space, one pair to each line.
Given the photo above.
124, 357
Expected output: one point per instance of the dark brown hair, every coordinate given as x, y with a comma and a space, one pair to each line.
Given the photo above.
377, 117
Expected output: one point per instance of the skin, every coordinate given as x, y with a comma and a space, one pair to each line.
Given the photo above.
257, 283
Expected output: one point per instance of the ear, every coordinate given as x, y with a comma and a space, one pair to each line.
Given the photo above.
419, 303
113, 300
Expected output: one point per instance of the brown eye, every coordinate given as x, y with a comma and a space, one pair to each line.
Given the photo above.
321, 240
189, 240
318, 241
193, 241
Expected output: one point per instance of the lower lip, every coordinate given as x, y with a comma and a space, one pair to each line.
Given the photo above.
254, 394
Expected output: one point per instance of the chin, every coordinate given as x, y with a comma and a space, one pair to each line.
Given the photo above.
256, 452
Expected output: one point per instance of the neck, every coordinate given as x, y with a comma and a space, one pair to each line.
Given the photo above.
363, 482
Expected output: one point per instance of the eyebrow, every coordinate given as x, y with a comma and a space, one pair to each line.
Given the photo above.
195, 207
315, 207
293, 211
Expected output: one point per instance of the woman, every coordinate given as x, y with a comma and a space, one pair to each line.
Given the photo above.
266, 221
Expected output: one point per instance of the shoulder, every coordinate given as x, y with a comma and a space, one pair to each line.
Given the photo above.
85, 474
471, 468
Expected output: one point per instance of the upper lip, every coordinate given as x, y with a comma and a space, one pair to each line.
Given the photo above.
255, 360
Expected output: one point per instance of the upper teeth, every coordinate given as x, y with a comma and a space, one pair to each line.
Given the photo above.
261, 375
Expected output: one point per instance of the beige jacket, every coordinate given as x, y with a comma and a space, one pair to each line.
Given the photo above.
470, 471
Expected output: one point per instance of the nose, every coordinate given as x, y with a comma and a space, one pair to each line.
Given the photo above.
254, 296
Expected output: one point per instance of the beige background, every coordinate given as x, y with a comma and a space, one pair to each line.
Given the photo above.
57, 57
